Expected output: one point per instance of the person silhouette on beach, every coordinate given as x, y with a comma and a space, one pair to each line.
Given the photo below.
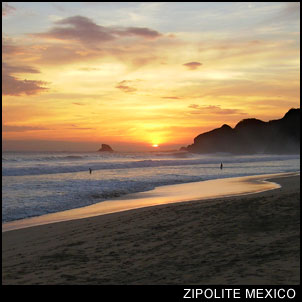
90, 171
221, 166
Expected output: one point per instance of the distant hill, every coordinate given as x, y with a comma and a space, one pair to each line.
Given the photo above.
251, 135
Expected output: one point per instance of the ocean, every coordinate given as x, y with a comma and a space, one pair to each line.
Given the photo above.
37, 183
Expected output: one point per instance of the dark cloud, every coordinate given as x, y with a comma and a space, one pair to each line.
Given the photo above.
78, 104
80, 29
124, 86
84, 30
192, 65
14, 86
11, 85
7, 9
139, 31
212, 109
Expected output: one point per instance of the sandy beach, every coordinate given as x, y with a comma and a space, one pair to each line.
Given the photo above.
247, 239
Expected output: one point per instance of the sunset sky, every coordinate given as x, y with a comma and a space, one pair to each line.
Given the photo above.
132, 75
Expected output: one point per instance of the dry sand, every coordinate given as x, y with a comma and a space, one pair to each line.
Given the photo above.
251, 239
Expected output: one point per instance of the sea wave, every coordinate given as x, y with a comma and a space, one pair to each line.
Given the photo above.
38, 168
43, 158
59, 195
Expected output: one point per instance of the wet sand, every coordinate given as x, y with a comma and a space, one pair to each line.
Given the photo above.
246, 239
201, 190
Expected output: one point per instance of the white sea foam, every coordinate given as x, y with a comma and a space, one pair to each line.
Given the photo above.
17, 166
39, 183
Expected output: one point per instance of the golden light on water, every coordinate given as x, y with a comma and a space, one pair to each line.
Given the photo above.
155, 146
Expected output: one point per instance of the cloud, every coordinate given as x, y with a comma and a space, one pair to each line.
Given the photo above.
80, 128
213, 109
84, 30
11, 85
172, 97
76, 127
80, 39
140, 31
287, 12
58, 7
290, 10
88, 69
8, 48
123, 85
78, 28
18, 69
65, 54
13, 128
16, 87
7, 9
79, 104
192, 65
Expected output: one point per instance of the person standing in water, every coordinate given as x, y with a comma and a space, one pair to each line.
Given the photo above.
221, 166
90, 171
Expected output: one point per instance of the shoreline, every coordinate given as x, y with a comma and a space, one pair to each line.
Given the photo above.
246, 239
203, 190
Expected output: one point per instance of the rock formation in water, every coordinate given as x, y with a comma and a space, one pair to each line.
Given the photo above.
105, 148
251, 135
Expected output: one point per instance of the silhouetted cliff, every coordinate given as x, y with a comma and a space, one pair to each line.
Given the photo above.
253, 136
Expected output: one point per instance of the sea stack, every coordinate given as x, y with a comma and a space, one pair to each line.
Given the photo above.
105, 148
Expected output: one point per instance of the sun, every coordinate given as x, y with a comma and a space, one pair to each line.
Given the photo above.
155, 146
